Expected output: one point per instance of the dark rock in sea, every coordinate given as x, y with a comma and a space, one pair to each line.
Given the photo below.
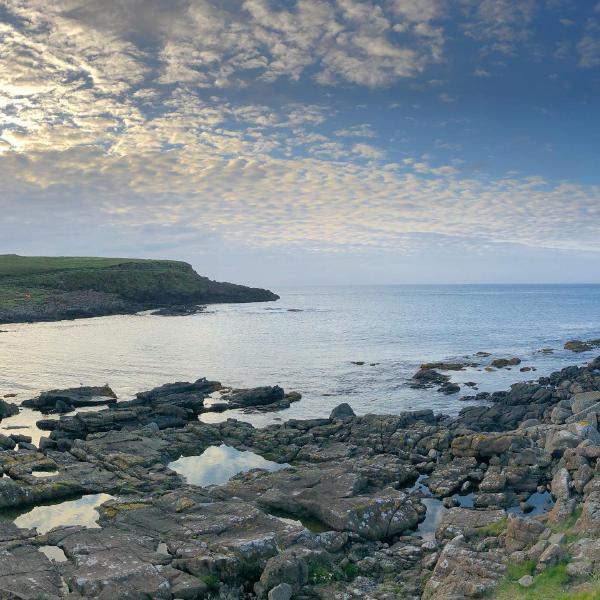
501, 363
7, 409
179, 310
342, 411
446, 366
258, 396
358, 363
449, 388
425, 378
69, 399
579, 346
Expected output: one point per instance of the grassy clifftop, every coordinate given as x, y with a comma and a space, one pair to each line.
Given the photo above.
49, 288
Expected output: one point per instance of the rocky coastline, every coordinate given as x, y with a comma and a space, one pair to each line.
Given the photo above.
502, 501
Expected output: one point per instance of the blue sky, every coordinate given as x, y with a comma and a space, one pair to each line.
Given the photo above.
276, 142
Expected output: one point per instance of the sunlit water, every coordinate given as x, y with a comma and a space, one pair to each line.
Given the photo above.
80, 511
310, 348
218, 464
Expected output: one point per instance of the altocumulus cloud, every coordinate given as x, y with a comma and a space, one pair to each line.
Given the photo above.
145, 113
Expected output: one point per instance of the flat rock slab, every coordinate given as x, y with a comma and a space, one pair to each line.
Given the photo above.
28, 574
108, 563
338, 496
232, 540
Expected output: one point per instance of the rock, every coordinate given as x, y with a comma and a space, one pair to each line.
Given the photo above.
558, 441
425, 378
463, 573
445, 366
560, 414
526, 581
501, 363
449, 388
583, 401
467, 522
27, 574
281, 592
180, 310
581, 346
71, 398
521, 533
342, 411
585, 431
6, 443
549, 557
7, 409
447, 479
580, 569
259, 396
336, 495
561, 485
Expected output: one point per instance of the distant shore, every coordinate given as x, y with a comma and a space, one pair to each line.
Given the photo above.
36, 289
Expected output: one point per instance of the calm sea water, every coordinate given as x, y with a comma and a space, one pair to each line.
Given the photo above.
308, 341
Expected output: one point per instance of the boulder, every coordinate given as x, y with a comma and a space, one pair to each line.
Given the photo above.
583, 401
466, 522
258, 396
281, 592
342, 411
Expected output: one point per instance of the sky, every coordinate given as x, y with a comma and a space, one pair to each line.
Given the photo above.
279, 142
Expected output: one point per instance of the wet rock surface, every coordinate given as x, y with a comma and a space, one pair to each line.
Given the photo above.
497, 485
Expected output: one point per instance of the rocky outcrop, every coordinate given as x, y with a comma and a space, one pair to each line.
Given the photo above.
405, 506
62, 401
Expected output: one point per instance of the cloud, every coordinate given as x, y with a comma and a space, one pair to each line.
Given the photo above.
187, 118
502, 24
589, 45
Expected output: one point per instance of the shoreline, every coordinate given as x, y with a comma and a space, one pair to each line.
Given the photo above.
346, 514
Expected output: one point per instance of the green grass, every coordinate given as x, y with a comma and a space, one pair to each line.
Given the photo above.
493, 529
551, 584
12, 265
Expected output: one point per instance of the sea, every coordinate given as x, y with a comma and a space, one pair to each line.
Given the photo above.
354, 344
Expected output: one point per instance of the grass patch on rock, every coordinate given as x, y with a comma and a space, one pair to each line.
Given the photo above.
551, 584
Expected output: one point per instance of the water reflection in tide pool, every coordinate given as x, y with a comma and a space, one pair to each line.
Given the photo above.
218, 464
540, 502
435, 508
54, 553
81, 511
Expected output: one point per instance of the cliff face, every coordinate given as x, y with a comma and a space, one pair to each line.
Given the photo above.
47, 289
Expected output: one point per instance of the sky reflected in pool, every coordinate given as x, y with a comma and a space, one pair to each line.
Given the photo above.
81, 511
218, 464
